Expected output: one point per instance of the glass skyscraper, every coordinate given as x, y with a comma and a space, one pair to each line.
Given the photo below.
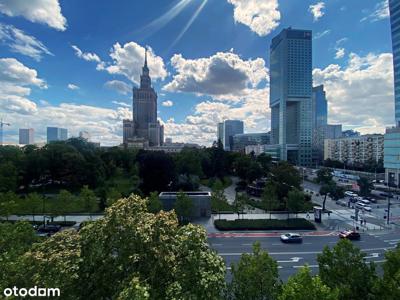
230, 128
395, 24
291, 95
319, 121
56, 134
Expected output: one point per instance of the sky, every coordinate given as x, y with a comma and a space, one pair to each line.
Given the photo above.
73, 63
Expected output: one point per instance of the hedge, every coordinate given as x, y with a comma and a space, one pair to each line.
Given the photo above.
264, 224
61, 223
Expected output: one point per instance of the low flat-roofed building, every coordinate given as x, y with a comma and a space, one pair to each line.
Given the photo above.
201, 202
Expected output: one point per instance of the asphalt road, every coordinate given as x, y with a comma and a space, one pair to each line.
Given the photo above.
291, 257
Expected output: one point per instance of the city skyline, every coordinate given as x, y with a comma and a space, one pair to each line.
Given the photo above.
65, 73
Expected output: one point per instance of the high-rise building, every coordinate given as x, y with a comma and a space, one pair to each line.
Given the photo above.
229, 129
394, 6
320, 122
335, 132
392, 136
144, 129
220, 131
291, 95
56, 134
26, 136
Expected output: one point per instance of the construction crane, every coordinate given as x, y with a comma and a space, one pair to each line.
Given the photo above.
2, 124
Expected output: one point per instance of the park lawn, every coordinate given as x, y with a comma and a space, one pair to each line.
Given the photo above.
264, 224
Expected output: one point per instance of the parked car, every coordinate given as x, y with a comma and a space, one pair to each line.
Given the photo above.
349, 234
370, 199
350, 194
341, 203
363, 206
48, 230
291, 238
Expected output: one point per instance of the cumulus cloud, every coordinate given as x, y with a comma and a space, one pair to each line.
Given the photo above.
380, 12
354, 90
167, 103
103, 124
123, 104
340, 52
86, 55
225, 75
262, 16
73, 86
317, 10
15, 82
40, 11
20, 42
119, 86
128, 61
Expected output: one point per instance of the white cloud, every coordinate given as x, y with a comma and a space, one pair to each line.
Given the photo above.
167, 103
86, 55
356, 90
124, 104
22, 43
119, 86
15, 79
40, 11
380, 12
223, 75
340, 52
262, 16
73, 86
317, 10
103, 124
319, 35
128, 61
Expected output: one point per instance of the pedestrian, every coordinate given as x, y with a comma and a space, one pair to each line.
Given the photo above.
308, 216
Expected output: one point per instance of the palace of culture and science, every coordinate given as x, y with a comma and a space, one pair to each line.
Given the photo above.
144, 130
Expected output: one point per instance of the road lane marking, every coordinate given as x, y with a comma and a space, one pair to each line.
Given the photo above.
373, 255
292, 260
310, 266
216, 244
247, 244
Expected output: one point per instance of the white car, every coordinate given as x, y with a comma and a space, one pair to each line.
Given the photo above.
291, 238
350, 194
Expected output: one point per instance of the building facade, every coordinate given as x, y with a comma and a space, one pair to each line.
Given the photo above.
392, 136
201, 202
144, 126
319, 122
291, 95
335, 132
26, 136
355, 150
230, 128
220, 131
56, 134
240, 141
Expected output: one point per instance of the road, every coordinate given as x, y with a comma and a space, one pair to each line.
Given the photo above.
291, 257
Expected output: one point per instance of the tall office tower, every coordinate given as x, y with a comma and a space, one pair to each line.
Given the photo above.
56, 134
128, 130
394, 6
291, 95
230, 128
392, 136
145, 108
220, 131
26, 136
319, 122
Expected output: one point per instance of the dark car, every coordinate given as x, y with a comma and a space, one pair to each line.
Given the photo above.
291, 238
47, 230
350, 235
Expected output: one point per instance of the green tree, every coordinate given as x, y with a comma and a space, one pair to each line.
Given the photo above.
88, 199
269, 198
34, 202
265, 162
324, 176
332, 190
8, 204
113, 195
8, 177
303, 286
183, 206
388, 287
365, 186
146, 256
255, 276
239, 203
286, 177
65, 201
343, 268
154, 204
295, 201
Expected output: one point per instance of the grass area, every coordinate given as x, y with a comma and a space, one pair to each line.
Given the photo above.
264, 224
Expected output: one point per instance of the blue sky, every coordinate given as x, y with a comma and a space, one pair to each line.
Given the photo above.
74, 63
